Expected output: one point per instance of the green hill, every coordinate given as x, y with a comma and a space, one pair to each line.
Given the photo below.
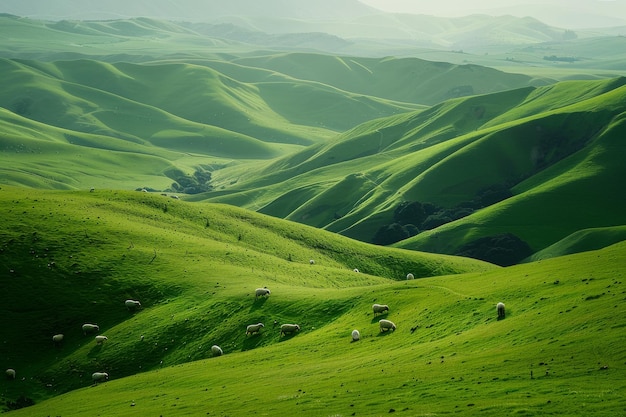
73, 257
552, 149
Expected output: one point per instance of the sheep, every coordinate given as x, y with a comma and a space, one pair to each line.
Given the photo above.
57, 338
261, 292
254, 328
289, 328
311, 262
101, 339
500, 310
99, 376
410, 276
386, 325
355, 270
216, 350
379, 308
356, 336
10, 373
90, 328
132, 304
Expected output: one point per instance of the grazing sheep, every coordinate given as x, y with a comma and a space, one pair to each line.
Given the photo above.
386, 325
261, 292
379, 308
101, 339
132, 304
356, 335
254, 328
410, 276
355, 270
57, 338
500, 310
99, 376
216, 350
311, 262
10, 373
90, 328
289, 328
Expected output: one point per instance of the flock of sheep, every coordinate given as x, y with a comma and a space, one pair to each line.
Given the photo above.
87, 328
384, 326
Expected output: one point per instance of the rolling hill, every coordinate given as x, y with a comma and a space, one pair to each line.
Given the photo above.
453, 170
538, 145
76, 256
73, 257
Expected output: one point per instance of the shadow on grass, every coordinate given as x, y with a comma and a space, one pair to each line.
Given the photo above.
252, 341
258, 303
95, 350
380, 317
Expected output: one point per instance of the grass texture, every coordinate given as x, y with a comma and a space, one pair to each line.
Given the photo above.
74, 257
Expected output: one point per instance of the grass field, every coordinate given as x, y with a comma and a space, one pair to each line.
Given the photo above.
73, 257
313, 148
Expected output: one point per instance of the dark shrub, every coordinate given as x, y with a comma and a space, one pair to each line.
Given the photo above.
504, 250
409, 212
390, 233
436, 220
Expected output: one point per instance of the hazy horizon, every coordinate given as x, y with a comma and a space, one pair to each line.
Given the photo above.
563, 13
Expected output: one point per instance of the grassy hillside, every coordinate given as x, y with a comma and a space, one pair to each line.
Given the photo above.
72, 257
408, 80
559, 144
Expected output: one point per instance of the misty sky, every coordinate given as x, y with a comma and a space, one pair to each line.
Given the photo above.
566, 13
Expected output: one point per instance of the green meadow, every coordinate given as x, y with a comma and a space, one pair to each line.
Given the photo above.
71, 257
186, 164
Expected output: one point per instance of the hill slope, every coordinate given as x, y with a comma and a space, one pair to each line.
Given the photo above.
522, 143
560, 349
73, 257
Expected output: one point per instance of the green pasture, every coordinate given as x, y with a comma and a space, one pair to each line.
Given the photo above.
74, 257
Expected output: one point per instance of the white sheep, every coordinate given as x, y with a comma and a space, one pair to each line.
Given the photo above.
216, 350
311, 262
261, 292
355, 270
10, 373
99, 376
410, 276
254, 328
132, 304
57, 338
90, 328
356, 336
386, 325
500, 310
289, 328
379, 308
101, 339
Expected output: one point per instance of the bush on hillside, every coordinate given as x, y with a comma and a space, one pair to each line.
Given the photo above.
411, 217
409, 212
198, 182
504, 249
390, 233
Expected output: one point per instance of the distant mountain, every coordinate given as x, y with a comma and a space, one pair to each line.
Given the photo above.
190, 10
